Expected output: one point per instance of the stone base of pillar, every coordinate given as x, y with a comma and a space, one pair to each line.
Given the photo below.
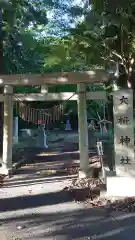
124, 187
7, 172
82, 174
15, 140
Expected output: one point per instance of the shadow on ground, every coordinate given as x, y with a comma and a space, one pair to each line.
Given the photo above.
80, 224
34, 201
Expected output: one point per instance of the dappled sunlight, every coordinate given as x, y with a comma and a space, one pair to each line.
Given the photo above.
48, 153
45, 97
63, 80
121, 109
1, 81
58, 96
124, 126
5, 114
124, 169
72, 223
98, 75
55, 153
36, 181
26, 81
91, 73
124, 150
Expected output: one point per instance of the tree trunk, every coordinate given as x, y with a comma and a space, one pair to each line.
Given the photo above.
1, 91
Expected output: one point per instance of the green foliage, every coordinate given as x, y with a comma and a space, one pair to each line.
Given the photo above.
25, 26
21, 20
73, 38
104, 39
22, 89
63, 56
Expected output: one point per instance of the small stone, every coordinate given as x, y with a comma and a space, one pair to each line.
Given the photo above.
30, 191
19, 227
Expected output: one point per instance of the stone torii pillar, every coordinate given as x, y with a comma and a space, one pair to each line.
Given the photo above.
83, 131
7, 129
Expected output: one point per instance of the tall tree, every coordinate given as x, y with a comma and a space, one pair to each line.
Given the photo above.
120, 16
16, 16
21, 21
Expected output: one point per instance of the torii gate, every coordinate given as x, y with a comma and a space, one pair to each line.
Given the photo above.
79, 78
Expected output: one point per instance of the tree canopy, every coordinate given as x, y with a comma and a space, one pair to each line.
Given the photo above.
67, 35
55, 35
105, 38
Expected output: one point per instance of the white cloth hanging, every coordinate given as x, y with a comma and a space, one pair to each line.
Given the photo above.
45, 137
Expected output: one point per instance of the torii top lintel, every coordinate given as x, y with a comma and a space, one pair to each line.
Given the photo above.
98, 75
